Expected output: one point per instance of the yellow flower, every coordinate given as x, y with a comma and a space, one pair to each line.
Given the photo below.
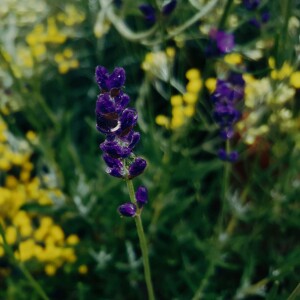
176, 100
162, 120
2, 252
11, 235
50, 269
211, 84
72, 239
295, 80
190, 98
233, 59
192, 74
83, 269
194, 86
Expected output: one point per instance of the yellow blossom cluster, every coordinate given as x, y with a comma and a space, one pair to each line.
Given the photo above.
285, 72
183, 106
71, 15
158, 64
66, 61
267, 106
32, 236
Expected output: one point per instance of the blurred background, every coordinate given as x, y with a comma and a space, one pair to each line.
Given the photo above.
218, 227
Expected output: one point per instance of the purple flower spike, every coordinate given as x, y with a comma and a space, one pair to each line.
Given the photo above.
168, 8
141, 196
227, 94
127, 210
137, 167
148, 12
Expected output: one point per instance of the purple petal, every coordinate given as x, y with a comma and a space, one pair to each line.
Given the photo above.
101, 77
137, 167
117, 79
115, 150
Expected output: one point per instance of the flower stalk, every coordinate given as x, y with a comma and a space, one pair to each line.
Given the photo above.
143, 242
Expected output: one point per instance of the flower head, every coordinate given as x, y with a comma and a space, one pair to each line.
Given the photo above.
116, 121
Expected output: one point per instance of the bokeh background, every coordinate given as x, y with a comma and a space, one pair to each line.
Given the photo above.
229, 238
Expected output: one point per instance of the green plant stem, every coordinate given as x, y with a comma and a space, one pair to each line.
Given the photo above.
143, 242
225, 14
209, 272
219, 244
35, 285
296, 292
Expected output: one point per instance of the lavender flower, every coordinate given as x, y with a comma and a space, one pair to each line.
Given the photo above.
227, 95
150, 14
127, 209
116, 121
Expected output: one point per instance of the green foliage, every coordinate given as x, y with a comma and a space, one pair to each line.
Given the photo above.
241, 244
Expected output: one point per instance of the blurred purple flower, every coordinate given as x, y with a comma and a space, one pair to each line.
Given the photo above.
220, 42
251, 4
150, 14
227, 95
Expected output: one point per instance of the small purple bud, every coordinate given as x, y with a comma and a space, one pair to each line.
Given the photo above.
168, 8
112, 162
254, 22
134, 139
114, 149
265, 16
127, 210
233, 156
128, 119
121, 101
104, 105
141, 196
137, 167
222, 154
227, 134
251, 4
148, 12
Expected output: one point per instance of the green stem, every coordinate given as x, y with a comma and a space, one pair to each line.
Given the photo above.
295, 293
22, 267
209, 272
220, 227
225, 14
143, 242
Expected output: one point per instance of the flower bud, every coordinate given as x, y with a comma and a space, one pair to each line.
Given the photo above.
127, 209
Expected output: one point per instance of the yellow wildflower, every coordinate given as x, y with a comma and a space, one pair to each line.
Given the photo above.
295, 80
83, 269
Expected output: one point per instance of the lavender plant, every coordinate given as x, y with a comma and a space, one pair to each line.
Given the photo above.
117, 122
